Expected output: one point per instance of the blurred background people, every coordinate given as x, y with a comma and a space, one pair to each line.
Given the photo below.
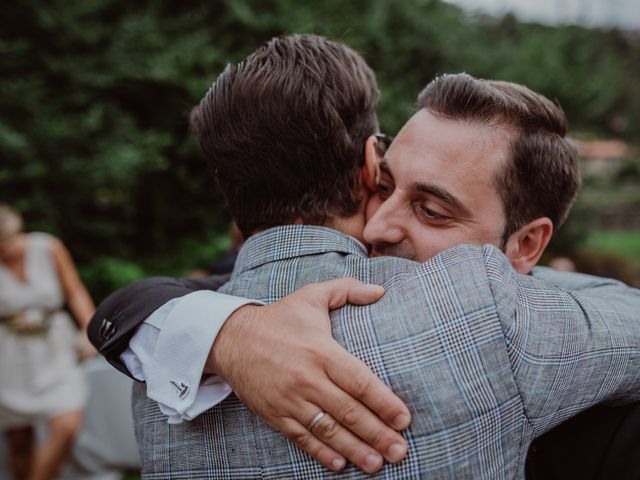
562, 264
39, 347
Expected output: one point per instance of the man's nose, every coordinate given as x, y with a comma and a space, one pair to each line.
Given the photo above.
386, 224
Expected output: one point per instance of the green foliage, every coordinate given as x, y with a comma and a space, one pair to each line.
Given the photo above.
95, 97
106, 274
625, 244
572, 234
629, 173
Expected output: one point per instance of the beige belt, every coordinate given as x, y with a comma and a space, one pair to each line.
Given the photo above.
29, 322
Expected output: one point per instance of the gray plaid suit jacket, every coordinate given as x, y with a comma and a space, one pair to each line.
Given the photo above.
486, 360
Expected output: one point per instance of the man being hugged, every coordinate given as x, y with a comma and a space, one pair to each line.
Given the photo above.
485, 357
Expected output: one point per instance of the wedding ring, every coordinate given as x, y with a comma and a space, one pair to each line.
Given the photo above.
316, 419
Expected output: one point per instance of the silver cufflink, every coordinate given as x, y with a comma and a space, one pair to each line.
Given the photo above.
182, 388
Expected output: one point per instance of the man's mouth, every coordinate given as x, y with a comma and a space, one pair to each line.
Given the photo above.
384, 249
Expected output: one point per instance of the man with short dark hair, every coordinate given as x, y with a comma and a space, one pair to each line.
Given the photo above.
473, 348
230, 125
494, 166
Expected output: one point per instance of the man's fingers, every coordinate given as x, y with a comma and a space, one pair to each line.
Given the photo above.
357, 379
362, 294
331, 433
304, 439
363, 423
334, 294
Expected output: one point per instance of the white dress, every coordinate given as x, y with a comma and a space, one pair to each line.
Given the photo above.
39, 373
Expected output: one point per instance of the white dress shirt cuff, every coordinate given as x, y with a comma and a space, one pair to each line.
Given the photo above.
170, 350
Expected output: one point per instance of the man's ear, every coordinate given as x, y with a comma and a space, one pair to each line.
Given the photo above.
370, 172
525, 246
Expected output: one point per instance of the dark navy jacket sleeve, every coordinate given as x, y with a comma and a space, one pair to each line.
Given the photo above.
118, 317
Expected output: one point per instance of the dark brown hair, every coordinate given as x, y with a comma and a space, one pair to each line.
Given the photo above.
284, 131
541, 178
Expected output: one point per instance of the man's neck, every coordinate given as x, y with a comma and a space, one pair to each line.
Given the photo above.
352, 226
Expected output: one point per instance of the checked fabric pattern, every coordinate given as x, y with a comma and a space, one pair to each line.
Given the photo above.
486, 360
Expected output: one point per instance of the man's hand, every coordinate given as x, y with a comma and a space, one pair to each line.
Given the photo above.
283, 363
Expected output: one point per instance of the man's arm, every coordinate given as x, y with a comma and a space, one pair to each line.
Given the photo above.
546, 331
343, 386
166, 344
118, 317
573, 339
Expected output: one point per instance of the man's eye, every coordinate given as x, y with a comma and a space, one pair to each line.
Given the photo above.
431, 215
384, 190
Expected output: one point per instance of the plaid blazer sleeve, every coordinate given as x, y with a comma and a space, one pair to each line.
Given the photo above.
570, 349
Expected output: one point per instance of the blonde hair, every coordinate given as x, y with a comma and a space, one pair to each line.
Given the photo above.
10, 222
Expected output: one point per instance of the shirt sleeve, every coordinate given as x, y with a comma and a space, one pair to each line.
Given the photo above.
170, 349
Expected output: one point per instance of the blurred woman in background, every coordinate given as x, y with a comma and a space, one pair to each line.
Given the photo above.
40, 379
